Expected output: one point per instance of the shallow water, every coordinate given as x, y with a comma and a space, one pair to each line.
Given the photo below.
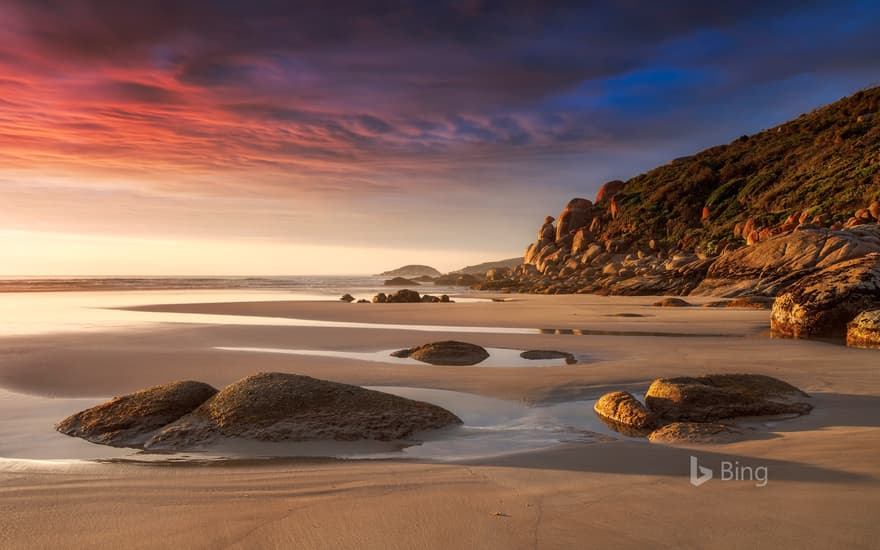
491, 427
498, 357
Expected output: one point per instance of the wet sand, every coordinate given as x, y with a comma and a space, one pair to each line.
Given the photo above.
824, 475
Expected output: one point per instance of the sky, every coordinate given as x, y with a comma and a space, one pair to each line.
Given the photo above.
272, 138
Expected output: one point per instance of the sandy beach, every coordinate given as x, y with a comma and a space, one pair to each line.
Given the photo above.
823, 471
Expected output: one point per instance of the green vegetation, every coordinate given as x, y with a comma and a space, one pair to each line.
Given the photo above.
827, 161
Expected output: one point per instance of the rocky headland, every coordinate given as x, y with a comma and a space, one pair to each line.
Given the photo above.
791, 212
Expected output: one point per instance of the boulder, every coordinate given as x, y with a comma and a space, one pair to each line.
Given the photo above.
347, 298
400, 281
280, 407
874, 209
539, 354
608, 190
380, 298
695, 432
623, 408
447, 352
715, 397
581, 241
578, 213
672, 302
864, 330
821, 304
129, 420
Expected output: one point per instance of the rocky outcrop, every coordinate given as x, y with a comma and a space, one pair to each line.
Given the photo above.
411, 271
130, 420
864, 330
400, 281
498, 274
279, 407
695, 432
715, 397
823, 303
623, 408
770, 265
447, 352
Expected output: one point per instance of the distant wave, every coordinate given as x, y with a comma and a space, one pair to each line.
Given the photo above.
46, 284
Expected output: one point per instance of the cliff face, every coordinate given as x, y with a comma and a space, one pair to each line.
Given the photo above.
660, 232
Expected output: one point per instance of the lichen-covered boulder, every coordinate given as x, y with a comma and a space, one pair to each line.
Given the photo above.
718, 396
129, 420
823, 303
448, 352
623, 408
864, 330
279, 407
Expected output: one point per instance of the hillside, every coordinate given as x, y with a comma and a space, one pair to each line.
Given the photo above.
411, 271
662, 231
827, 162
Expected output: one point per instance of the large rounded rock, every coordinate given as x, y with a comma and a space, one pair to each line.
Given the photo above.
719, 396
278, 407
623, 408
578, 213
864, 330
129, 420
822, 304
448, 352
609, 190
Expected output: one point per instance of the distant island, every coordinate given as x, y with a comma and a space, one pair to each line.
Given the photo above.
481, 269
412, 271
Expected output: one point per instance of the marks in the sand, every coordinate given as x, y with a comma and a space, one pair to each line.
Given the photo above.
498, 357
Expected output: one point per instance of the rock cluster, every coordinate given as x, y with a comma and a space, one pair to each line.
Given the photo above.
406, 296
400, 281
692, 408
269, 407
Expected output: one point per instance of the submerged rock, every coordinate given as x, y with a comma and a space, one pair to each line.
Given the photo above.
715, 397
672, 302
623, 408
278, 407
447, 352
823, 303
695, 432
129, 420
538, 354
864, 330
